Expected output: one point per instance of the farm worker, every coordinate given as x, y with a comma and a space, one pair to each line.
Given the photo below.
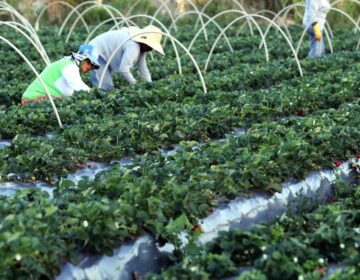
314, 21
62, 77
134, 46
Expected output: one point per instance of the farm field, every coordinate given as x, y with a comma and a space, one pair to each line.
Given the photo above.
184, 159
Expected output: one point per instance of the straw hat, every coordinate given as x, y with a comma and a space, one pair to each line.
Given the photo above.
151, 39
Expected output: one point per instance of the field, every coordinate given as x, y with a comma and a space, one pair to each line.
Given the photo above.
293, 125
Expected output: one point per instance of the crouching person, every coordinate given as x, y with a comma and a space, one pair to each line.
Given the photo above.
62, 78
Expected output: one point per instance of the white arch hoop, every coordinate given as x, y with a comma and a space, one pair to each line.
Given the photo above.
25, 23
358, 20
164, 4
344, 14
4, 2
37, 75
48, 5
304, 32
353, 1
30, 34
143, 16
283, 10
237, 3
164, 34
273, 14
192, 5
303, 35
286, 13
281, 31
4, 6
339, 1
209, 18
121, 21
132, 8
76, 9
39, 50
227, 27
106, 7
213, 18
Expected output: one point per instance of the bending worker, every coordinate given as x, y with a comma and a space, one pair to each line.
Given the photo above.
314, 22
62, 78
131, 53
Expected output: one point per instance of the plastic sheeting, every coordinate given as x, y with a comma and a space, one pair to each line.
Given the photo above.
92, 168
9, 189
4, 143
141, 256
244, 212
238, 132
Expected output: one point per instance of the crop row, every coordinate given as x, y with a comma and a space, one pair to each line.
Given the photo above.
39, 119
300, 246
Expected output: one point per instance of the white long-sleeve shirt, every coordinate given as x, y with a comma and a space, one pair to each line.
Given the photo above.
71, 81
316, 11
128, 56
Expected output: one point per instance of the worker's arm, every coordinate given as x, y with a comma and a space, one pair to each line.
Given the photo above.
143, 69
128, 60
71, 74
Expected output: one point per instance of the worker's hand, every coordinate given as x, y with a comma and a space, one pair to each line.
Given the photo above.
317, 31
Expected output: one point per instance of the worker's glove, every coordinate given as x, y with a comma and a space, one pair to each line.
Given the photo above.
317, 31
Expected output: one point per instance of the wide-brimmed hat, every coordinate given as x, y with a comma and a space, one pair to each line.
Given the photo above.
151, 39
90, 53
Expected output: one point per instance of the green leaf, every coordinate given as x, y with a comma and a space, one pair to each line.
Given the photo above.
50, 210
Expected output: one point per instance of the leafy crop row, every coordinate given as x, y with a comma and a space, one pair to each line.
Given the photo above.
298, 246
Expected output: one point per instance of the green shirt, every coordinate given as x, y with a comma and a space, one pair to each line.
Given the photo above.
50, 75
